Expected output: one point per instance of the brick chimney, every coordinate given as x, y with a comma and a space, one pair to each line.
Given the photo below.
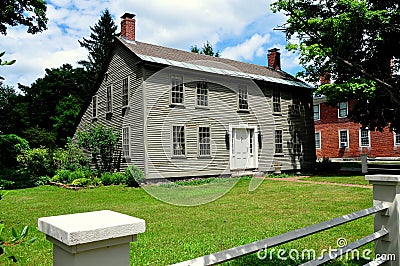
274, 59
128, 25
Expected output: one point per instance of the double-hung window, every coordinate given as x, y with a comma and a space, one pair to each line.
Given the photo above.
364, 137
94, 106
278, 142
396, 139
126, 150
296, 142
204, 141
316, 109
343, 110
109, 99
202, 94
343, 138
243, 98
178, 140
276, 100
125, 92
318, 140
177, 90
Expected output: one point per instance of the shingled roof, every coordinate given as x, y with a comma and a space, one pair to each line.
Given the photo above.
145, 51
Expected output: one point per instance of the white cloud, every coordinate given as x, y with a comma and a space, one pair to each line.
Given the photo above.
248, 49
174, 23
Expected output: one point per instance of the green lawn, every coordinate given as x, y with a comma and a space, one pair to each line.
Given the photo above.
345, 179
175, 233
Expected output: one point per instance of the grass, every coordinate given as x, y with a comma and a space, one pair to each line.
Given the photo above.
176, 233
344, 179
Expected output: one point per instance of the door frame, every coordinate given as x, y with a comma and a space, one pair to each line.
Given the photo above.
231, 145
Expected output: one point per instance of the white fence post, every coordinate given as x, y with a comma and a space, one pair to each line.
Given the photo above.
387, 191
91, 238
364, 165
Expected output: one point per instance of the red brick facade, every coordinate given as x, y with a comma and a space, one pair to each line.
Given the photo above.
381, 144
128, 25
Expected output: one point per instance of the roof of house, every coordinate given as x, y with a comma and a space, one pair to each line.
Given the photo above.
200, 62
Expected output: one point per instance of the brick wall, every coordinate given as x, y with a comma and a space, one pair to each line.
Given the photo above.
381, 143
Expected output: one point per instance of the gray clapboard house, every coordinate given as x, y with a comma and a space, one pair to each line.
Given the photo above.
182, 114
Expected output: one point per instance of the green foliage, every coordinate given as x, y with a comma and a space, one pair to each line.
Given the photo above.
134, 176
357, 44
118, 178
11, 146
18, 239
106, 179
29, 13
5, 63
34, 163
99, 45
207, 49
101, 143
71, 157
81, 182
62, 176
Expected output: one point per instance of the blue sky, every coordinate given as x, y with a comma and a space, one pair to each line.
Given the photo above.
240, 30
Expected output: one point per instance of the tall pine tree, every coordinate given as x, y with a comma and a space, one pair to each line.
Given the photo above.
99, 44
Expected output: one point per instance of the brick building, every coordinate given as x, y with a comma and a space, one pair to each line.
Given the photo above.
337, 137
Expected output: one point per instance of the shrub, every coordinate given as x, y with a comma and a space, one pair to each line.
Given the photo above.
106, 179
118, 178
81, 182
42, 180
78, 174
35, 163
62, 176
11, 146
134, 176
96, 181
70, 158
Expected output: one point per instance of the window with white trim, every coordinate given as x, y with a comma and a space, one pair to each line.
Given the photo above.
204, 141
178, 140
318, 140
202, 93
109, 99
343, 110
364, 137
316, 109
276, 100
251, 134
396, 139
343, 138
296, 142
126, 150
94, 106
278, 141
125, 92
243, 98
177, 90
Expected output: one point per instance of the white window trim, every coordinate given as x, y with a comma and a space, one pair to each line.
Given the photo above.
347, 110
369, 138
172, 141
319, 111
129, 91
208, 95
198, 142
320, 142
111, 98
183, 88
94, 97
280, 101
129, 142
278, 153
240, 86
394, 140
348, 139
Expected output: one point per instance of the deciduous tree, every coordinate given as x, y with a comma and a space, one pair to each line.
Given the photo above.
358, 43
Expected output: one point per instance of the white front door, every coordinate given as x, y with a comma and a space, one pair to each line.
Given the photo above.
243, 148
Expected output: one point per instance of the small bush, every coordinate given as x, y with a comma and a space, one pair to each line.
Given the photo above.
62, 176
106, 179
118, 178
134, 176
70, 158
96, 181
42, 180
77, 174
81, 182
